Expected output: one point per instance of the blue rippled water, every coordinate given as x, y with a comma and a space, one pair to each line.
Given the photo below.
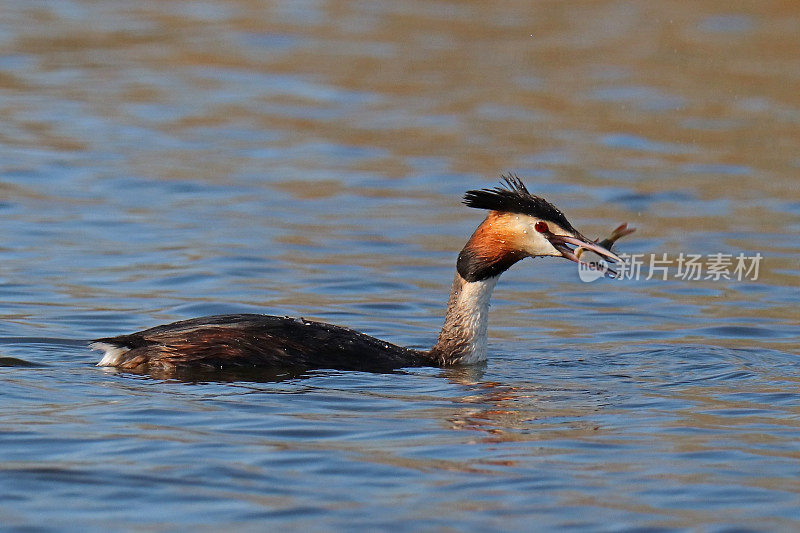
160, 162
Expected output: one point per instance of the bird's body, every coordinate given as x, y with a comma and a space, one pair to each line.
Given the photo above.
519, 225
252, 340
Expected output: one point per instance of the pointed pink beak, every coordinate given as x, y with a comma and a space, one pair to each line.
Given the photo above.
560, 243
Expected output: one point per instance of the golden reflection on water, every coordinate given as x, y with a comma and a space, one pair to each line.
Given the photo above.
484, 87
653, 98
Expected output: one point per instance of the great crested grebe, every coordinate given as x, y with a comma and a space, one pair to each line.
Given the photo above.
518, 225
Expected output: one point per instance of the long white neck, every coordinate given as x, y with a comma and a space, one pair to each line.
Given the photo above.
463, 336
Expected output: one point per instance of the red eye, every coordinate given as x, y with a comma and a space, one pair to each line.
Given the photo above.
541, 227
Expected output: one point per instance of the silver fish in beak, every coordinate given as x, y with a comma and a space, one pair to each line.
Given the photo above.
581, 244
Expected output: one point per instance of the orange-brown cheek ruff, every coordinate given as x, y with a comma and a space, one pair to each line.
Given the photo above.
492, 249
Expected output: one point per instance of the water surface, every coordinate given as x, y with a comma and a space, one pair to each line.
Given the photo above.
164, 161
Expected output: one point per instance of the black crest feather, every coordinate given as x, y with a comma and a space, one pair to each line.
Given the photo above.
515, 198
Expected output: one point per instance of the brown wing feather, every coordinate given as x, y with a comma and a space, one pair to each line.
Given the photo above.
226, 341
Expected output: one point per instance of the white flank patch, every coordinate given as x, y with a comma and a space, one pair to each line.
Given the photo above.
111, 354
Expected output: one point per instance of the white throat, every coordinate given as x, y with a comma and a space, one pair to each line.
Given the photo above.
463, 336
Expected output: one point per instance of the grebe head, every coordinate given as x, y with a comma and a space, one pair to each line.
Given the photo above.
519, 225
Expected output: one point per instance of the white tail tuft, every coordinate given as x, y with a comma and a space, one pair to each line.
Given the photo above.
112, 354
